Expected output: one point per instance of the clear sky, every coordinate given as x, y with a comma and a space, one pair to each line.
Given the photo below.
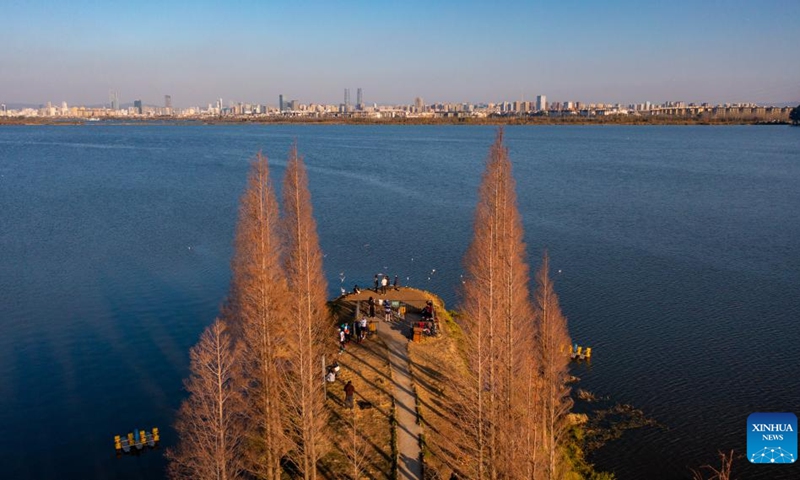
251, 51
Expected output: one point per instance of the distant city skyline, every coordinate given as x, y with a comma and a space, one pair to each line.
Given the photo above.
80, 52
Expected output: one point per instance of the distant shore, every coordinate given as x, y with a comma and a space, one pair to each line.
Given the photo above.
575, 120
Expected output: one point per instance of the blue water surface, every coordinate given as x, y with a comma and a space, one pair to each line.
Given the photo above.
676, 252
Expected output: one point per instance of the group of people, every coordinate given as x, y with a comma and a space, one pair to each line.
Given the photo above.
346, 335
361, 327
387, 308
349, 389
428, 322
383, 282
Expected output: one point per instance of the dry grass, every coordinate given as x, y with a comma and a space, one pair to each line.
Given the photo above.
367, 366
433, 362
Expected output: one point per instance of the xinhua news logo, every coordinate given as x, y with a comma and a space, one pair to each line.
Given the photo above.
772, 438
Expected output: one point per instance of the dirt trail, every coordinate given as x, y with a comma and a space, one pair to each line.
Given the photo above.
408, 430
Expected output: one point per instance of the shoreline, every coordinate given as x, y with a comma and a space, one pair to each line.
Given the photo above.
500, 121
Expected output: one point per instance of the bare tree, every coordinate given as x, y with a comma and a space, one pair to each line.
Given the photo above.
498, 321
530, 467
310, 317
356, 447
553, 347
723, 473
258, 303
207, 424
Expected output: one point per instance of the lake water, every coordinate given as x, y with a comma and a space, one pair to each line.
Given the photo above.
678, 250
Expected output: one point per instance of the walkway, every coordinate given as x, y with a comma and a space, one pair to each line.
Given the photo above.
409, 466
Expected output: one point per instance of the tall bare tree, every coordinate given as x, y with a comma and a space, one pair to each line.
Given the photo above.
309, 316
553, 347
355, 446
258, 302
208, 422
498, 321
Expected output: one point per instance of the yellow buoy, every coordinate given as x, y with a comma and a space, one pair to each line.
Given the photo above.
155, 435
588, 353
117, 442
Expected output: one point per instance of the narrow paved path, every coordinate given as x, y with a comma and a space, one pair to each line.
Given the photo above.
408, 453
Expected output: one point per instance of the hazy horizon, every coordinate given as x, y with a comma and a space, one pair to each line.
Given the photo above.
196, 52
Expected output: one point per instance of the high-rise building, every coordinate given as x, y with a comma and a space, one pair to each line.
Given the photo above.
113, 98
541, 103
168, 102
137, 105
281, 106
346, 98
419, 104
3, 108
359, 99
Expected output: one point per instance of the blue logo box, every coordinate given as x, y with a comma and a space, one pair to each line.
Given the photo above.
772, 438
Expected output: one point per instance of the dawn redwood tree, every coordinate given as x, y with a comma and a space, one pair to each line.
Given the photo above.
258, 302
208, 424
355, 446
553, 347
498, 323
309, 317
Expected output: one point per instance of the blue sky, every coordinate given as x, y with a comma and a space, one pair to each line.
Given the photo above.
609, 51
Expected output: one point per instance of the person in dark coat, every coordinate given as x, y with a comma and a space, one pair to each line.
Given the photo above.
395, 283
371, 303
349, 391
377, 284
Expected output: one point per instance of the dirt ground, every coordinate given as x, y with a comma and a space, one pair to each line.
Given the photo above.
433, 362
367, 366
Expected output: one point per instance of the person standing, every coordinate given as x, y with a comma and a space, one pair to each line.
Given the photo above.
384, 284
371, 303
342, 340
363, 328
395, 283
376, 283
349, 391
387, 310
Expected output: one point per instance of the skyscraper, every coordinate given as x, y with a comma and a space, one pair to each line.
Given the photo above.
113, 98
359, 99
280, 103
419, 103
541, 103
346, 98
137, 105
168, 102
